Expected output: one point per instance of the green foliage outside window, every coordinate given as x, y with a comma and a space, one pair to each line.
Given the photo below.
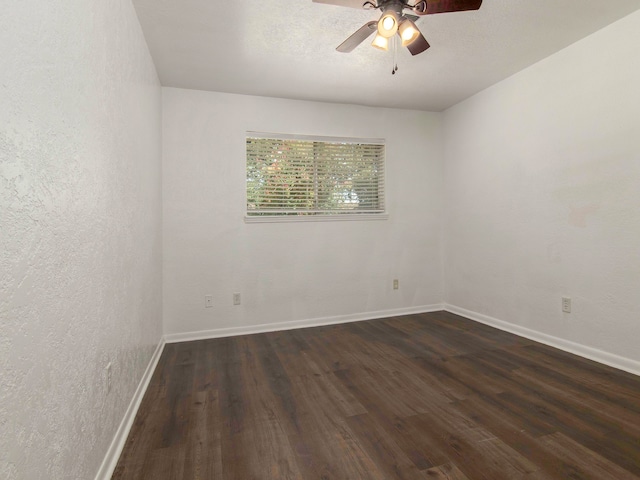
303, 177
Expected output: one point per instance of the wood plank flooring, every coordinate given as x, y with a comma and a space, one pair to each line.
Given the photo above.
429, 396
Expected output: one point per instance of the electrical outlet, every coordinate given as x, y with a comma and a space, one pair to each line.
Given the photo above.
236, 299
566, 304
396, 284
107, 377
208, 301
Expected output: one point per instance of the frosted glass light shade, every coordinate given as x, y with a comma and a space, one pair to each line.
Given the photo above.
408, 32
380, 42
388, 24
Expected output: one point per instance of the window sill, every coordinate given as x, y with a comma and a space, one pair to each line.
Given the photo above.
317, 218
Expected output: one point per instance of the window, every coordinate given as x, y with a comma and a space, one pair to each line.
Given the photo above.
304, 177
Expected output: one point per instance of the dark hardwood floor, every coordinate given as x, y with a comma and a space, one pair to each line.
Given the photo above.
430, 396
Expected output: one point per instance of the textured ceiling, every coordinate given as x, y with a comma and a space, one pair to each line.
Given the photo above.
283, 48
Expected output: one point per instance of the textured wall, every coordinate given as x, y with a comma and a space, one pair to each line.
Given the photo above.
543, 195
291, 271
80, 240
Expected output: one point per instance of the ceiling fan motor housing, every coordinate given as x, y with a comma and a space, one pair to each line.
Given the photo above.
392, 5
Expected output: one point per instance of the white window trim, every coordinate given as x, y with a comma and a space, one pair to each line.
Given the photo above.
315, 138
348, 217
316, 218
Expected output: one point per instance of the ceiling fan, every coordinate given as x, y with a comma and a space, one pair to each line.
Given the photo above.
393, 21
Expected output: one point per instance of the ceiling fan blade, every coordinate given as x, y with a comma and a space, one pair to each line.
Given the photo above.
358, 37
419, 45
429, 7
343, 3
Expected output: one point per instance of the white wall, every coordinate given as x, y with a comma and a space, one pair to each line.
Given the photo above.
291, 271
80, 239
543, 195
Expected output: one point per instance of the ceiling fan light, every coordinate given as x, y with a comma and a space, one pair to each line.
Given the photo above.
388, 24
380, 42
408, 32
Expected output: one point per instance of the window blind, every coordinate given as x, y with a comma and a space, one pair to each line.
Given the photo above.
301, 176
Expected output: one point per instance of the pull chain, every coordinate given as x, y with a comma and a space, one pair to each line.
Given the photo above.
394, 46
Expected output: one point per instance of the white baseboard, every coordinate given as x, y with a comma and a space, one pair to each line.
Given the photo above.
117, 444
313, 322
600, 356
